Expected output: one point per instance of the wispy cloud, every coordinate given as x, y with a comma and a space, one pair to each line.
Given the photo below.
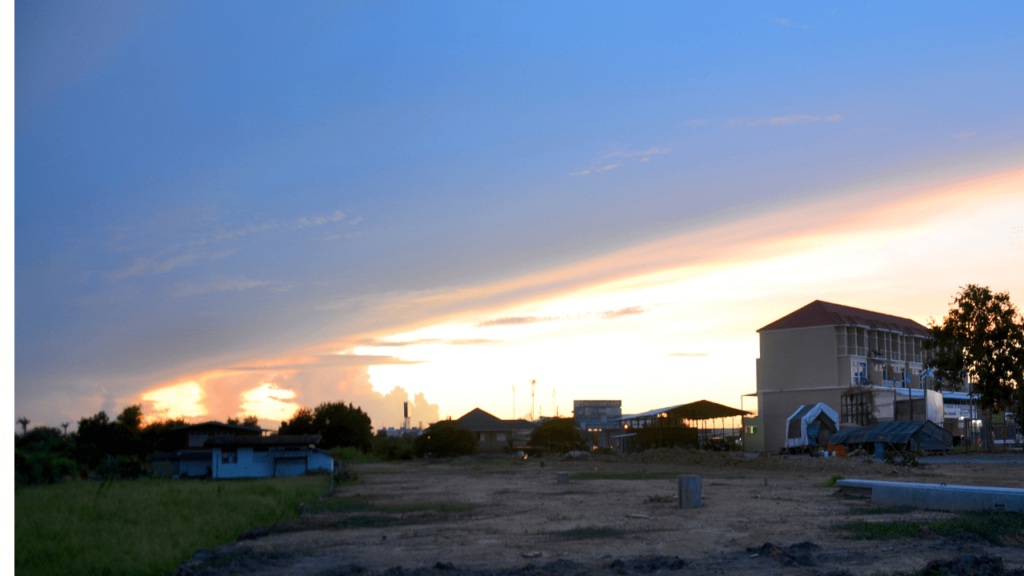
241, 284
785, 120
153, 265
789, 24
329, 360
517, 320
374, 342
313, 221
602, 164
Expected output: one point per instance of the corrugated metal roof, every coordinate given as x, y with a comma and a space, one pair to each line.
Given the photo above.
925, 432
819, 313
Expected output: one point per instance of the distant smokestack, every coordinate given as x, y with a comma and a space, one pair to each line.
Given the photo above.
405, 414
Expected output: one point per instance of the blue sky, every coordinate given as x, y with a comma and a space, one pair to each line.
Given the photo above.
205, 185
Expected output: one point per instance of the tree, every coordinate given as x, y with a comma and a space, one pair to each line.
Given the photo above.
981, 342
342, 426
250, 420
131, 418
24, 424
301, 423
337, 424
444, 439
558, 435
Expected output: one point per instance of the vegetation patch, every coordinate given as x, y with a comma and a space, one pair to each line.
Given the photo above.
144, 526
625, 476
352, 505
880, 510
590, 533
831, 482
990, 526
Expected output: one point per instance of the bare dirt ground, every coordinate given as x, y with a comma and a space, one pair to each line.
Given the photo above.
498, 516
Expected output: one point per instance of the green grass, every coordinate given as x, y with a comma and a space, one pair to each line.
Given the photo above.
589, 533
831, 482
987, 525
144, 527
625, 476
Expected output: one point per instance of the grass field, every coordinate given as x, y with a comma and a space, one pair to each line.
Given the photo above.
144, 527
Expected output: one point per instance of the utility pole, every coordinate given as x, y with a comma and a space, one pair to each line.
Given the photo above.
513, 402
554, 406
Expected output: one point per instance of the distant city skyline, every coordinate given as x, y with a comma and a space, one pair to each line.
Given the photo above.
222, 211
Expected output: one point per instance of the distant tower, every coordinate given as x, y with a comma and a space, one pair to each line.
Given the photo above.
405, 418
533, 405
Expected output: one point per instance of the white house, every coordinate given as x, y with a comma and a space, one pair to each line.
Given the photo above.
267, 456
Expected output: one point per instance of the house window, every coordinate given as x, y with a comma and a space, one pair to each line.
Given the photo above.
483, 437
500, 437
229, 457
860, 373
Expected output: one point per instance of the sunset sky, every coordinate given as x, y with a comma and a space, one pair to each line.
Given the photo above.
228, 208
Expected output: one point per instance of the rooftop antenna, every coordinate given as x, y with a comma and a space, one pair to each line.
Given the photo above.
513, 401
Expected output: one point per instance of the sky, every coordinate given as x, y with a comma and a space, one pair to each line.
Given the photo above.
227, 208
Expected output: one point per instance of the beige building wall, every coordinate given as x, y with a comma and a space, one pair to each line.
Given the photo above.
797, 358
778, 406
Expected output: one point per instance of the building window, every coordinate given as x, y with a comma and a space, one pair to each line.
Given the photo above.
500, 437
860, 373
229, 457
483, 437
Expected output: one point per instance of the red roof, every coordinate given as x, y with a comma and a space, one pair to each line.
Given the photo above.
820, 313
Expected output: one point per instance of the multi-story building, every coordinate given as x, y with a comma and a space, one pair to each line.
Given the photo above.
599, 419
855, 361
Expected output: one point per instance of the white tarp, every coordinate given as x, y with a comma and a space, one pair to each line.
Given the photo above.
796, 425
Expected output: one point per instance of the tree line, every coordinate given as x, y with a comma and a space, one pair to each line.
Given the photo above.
119, 447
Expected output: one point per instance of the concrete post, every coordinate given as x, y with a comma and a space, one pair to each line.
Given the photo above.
689, 491
563, 477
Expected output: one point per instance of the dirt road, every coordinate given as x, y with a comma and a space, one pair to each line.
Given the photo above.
499, 515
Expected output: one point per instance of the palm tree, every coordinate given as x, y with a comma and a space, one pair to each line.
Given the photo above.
65, 425
24, 424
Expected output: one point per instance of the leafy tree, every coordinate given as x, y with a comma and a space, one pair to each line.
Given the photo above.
338, 425
445, 439
250, 420
131, 418
343, 426
43, 456
981, 341
301, 423
558, 435
157, 436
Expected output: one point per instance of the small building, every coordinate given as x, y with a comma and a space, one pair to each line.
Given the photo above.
599, 420
700, 424
190, 458
267, 456
494, 434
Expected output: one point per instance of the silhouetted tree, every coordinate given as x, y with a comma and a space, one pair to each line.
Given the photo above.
445, 439
131, 418
338, 425
43, 456
343, 426
65, 425
251, 420
300, 423
157, 436
24, 424
558, 435
981, 341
